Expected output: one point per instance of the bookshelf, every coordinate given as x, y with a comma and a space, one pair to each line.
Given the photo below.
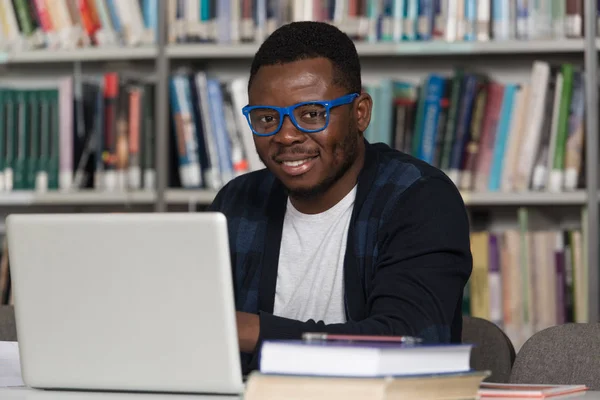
507, 60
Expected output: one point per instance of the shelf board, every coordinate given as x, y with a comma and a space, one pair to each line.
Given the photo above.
416, 48
441, 48
481, 199
205, 197
199, 51
247, 50
85, 197
189, 196
86, 54
576, 198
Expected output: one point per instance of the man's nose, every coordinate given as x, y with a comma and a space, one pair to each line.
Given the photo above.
289, 134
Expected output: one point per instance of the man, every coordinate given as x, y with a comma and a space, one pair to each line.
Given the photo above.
336, 234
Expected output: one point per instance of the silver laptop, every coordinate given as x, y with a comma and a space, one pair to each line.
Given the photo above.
125, 302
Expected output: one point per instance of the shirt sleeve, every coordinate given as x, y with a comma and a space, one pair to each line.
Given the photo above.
423, 264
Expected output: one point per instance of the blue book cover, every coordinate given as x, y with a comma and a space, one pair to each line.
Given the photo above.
223, 22
383, 134
217, 116
185, 132
522, 19
114, 15
434, 92
470, 20
501, 19
462, 124
426, 14
150, 13
398, 13
510, 91
411, 16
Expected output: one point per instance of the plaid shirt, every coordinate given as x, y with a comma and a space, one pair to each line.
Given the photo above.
407, 259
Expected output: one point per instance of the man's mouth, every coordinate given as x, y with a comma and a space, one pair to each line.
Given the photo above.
297, 166
297, 163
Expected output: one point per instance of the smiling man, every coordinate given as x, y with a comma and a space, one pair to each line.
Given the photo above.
336, 234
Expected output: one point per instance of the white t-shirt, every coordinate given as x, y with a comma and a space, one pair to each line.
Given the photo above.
310, 276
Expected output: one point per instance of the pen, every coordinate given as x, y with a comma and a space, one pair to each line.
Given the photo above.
314, 336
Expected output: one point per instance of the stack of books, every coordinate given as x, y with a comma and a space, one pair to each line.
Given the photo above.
363, 369
378, 368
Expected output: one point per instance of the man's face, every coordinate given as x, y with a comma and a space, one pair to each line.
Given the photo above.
308, 164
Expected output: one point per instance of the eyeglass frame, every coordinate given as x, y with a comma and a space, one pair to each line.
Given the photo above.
289, 111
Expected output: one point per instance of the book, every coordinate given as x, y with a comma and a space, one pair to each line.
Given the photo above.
461, 386
512, 390
361, 359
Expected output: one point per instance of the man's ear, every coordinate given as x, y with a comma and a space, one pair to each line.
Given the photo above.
364, 105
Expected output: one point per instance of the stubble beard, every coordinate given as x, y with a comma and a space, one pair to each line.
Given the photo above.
349, 149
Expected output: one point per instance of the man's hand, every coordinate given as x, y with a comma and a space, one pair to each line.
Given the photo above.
248, 327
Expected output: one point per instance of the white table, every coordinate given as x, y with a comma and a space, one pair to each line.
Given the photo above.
30, 394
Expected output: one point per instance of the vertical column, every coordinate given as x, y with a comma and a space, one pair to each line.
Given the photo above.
161, 112
591, 138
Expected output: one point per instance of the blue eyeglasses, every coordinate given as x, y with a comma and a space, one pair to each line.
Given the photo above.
308, 116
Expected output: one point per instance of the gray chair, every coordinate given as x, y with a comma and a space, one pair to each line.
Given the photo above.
8, 330
565, 354
492, 351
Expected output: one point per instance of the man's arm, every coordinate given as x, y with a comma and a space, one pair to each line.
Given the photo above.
423, 265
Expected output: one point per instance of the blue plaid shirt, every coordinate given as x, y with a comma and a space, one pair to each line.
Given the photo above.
407, 258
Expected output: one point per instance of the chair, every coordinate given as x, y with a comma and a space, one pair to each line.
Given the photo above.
564, 354
8, 331
492, 349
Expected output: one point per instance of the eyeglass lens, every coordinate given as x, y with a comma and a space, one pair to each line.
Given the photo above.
308, 116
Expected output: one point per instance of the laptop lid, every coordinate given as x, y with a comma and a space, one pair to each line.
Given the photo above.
137, 301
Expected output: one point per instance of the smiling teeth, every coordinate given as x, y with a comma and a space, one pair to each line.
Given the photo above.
295, 163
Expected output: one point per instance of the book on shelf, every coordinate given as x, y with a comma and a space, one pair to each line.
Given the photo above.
528, 278
210, 138
97, 131
92, 132
488, 136
69, 24
240, 21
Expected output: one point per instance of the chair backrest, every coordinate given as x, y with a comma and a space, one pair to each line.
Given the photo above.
565, 354
8, 330
492, 351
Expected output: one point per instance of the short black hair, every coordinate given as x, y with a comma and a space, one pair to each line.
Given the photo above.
308, 39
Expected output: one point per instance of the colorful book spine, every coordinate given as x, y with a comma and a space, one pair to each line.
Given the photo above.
184, 128
434, 94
